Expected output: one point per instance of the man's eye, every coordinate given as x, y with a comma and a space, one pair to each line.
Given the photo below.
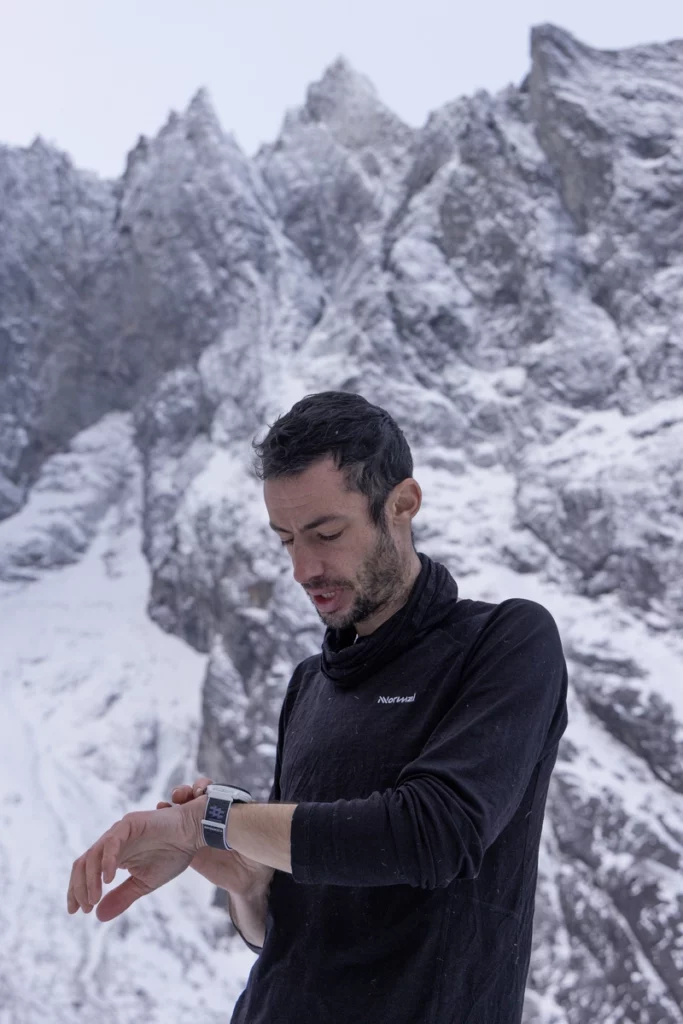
321, 536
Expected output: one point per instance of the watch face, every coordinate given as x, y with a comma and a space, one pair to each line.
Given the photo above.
217, 810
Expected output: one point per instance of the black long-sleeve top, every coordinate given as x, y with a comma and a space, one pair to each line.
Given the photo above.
419, 758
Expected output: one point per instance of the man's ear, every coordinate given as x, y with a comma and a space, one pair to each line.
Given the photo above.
406, 500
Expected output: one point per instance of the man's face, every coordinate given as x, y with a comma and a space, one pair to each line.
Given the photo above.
350, 568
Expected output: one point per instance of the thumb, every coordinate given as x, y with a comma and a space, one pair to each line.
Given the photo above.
120, 899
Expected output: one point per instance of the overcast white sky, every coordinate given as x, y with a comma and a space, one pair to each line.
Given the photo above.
92, 75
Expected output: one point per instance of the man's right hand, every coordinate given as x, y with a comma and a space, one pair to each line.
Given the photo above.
227, 869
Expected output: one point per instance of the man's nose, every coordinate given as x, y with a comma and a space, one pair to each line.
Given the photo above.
306, 564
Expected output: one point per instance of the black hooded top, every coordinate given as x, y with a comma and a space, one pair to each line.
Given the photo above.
419, 758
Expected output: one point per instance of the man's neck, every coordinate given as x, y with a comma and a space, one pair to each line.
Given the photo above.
391, 609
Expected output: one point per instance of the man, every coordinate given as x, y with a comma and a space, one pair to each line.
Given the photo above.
391, 875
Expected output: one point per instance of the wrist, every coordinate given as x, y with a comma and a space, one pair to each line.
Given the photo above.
254, 896
193, 812
258, 892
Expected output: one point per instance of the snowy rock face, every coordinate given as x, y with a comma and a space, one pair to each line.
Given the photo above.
55, 242
508, 283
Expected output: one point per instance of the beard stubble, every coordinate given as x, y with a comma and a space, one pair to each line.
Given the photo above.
381, 581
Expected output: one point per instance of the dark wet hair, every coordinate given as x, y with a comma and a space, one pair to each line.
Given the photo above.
364, 441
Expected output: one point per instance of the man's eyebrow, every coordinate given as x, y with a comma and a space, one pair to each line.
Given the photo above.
309, 526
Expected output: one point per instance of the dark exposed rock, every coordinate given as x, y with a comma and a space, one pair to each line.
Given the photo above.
508, 282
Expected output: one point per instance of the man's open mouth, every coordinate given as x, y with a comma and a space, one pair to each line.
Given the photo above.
327, 600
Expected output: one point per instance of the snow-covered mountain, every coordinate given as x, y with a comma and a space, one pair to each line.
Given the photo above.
508, 282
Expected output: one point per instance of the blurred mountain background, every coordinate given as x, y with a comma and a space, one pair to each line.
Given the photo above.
508, 282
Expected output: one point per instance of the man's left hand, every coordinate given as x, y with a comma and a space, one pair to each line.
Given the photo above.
154, 846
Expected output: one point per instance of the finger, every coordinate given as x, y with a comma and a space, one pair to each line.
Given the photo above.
93, 874
78, 884
199, 785
110, 856
162, 803
71, 901
121, 898
181, 794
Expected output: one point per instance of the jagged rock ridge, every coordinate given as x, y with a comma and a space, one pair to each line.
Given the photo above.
507, 281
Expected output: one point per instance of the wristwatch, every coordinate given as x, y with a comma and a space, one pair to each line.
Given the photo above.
215, 820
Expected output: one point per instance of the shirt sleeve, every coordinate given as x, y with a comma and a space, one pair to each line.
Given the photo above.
453, 800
